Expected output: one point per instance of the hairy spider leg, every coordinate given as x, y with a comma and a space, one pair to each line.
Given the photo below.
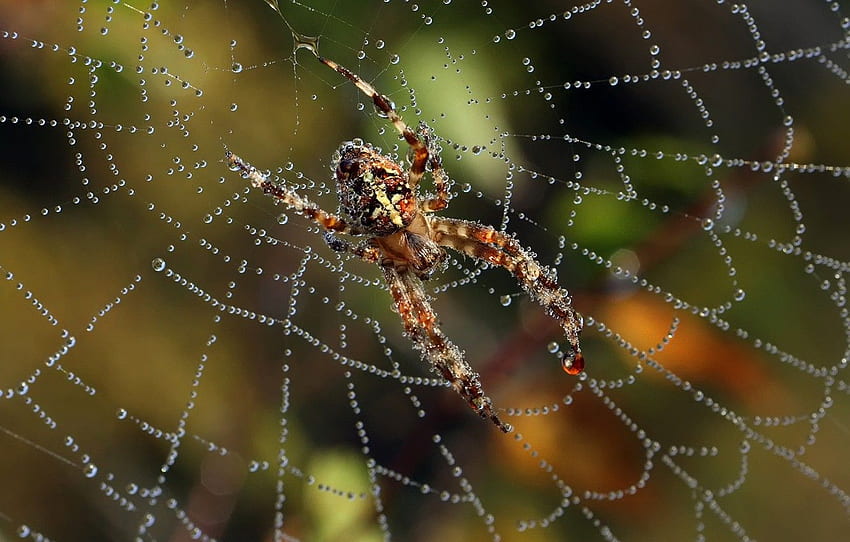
439, 175
386, 107
289, 197
420, 323
485, 243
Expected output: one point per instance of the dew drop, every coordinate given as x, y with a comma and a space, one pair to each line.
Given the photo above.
90, 470
158, 264
505, 300
573, 365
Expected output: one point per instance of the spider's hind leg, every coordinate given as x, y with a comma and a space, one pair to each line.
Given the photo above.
446, 359
499, 249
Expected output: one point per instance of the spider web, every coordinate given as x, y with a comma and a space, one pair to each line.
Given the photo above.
182, 359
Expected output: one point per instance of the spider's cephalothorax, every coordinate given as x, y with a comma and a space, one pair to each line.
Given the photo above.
373, 190
378, 200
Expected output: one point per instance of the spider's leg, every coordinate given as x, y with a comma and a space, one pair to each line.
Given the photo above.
420, 323
441, 178
386, 108
364, 250
289, 197
486, 243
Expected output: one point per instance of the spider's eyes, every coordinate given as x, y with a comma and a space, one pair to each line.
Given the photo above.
348, 166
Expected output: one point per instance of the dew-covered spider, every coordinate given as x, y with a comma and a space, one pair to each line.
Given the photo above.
379, 201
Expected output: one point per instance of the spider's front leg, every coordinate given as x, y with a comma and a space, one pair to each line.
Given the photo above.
488, 244
420, 146
438, 174
424, 149
420, 323
289, 197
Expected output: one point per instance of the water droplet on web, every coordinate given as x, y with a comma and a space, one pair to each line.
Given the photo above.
236, 67
90, 470
300, 41
394, 59
553, 347
158, 264
510, 33
740, 294
572, 363
505, 300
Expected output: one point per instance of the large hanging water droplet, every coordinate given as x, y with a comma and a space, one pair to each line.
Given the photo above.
573, 364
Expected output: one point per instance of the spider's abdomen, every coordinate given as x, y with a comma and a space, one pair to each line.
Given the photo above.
373, 189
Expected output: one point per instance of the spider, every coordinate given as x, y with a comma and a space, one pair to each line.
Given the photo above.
379, 201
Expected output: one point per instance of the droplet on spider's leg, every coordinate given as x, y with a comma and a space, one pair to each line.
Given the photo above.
572, 362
